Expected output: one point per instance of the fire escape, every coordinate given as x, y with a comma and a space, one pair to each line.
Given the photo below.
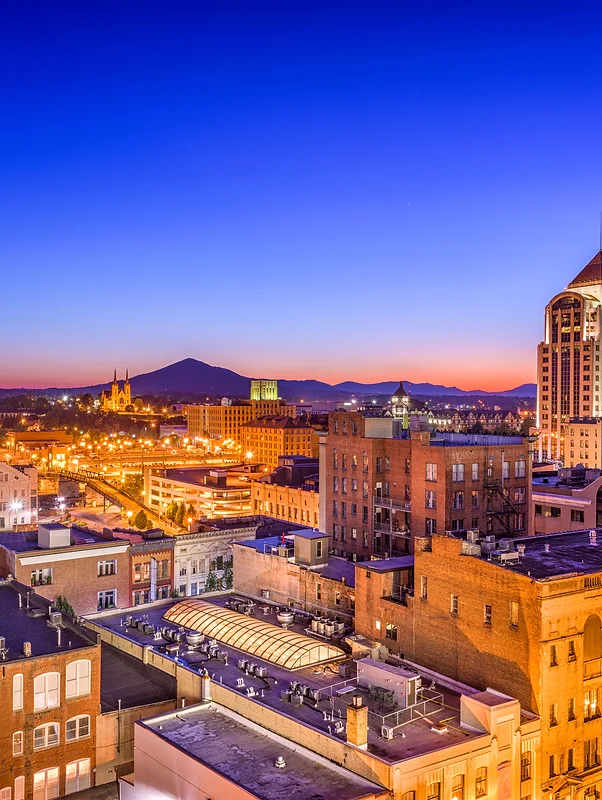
499, 503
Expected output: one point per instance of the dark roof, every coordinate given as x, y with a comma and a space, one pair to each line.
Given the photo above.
276, 422
401, 392
591, 273
337, 569
309, 533
124, 677
27, 541
19, 625
387, 564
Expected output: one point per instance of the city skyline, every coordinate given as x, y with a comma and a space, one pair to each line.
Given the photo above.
294, 191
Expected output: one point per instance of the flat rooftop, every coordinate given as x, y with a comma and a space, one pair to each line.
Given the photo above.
419, 736
27, 541
224, 741
557, 555
387, 564
19, 625
126, 678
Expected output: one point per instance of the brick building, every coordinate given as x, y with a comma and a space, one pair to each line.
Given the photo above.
50, 699
523, 616
220, 422
151, 564
18, 496
295, 569
571, 500
269, 437
383, 485
88, 569
291, 492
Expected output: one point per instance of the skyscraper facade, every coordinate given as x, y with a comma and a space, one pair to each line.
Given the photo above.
568, 363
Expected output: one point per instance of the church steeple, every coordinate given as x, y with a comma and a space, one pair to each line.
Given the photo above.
127, 379
115, 376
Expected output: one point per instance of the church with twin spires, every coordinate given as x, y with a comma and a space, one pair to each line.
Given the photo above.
117, 399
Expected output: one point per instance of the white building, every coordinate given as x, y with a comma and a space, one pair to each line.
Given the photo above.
18, 496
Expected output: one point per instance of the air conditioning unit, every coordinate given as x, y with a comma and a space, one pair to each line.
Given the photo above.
55, 618
387, 732
265, 593
2, 643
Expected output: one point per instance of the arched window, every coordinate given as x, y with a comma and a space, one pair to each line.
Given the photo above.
46, 735
78, 678
77, 728
46, 693
592, 638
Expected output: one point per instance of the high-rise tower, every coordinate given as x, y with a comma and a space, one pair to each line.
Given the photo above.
568, 361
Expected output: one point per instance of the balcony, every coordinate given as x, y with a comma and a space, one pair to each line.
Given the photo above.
390, 502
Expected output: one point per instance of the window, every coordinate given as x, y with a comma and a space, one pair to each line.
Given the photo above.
553, 714
520, 468
431, 474
335, 484
78, 678
591, 707
318, 591
20, 788
577, 516
475, 498
458, 501
423, 587
458, 787
18, 743
46, 736
319, 549
430, 500
433, 791
17, 692
46, 692
475, 472
453, 605
77, 728
525, 765
107, 599
570, 760
591, 755
391, 631
571, 709
379, 464
5, 793
77, 776
107, 567
514, 614
552, 766
430, 526
480, 784
337, 598
555, 512
408, 796
40, 577
553, 656
486, 614
572, 656
457, 472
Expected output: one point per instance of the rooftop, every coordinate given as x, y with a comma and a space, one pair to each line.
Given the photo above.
591, 274
27, 541
23, 624
126, 678
387, 564
331, 692
276, 422
228, 744
472, 440
555, 555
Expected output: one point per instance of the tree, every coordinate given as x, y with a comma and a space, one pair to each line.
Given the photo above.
212, 582
64, 605
179, 519
133, 485
141, 520
191, 511
228, 579
172, 510
477, 427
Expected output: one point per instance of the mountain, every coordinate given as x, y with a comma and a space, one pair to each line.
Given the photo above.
191, 376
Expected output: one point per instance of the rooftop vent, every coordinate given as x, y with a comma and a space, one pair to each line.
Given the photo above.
520, 548
280, 763
27, 649
546, 548
592, 537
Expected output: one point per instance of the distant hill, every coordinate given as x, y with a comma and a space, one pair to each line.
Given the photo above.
191, 376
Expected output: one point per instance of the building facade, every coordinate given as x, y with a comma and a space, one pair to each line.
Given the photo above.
18, 497
263, 389
568, 362
383, 484
571, 501
210, 493
267, 438
50, 699
223, 422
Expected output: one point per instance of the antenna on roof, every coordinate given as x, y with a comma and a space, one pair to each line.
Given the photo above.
601, 231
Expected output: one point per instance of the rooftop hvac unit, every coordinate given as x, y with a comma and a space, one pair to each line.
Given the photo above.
2, 643
490, 538
242, 663
297, 700
265, 593
128, 619
261, 672
285, 696
55, 618
222, 656
506, 544
472, 536
509, 557
387, 732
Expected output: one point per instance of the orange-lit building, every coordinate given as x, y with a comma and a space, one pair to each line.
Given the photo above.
264, 439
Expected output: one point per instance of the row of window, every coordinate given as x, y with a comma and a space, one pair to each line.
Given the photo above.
46, 687
344, 427
48, 735
46, 782
433, 790
454, 605
559, 764
458, 471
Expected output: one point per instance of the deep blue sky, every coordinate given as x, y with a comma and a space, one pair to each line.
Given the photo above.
334, 190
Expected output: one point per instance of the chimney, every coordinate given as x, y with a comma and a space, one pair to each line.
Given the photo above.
357, 723
27, 649
205, 687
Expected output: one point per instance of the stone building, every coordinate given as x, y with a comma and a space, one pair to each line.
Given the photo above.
383, 485
117, 399
223, 422
265, 439
49, 701
291, 492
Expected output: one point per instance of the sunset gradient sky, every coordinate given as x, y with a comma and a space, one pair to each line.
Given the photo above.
329, 190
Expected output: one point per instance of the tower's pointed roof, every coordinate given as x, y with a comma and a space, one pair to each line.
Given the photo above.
591, 273
401, 392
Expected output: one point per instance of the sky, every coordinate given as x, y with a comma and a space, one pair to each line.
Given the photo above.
330, 190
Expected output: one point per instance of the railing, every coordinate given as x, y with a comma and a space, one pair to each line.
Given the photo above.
390, 502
